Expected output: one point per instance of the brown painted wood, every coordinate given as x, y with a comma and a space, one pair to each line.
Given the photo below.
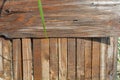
45, 58
88, 59
7, 59
54, 71
62, 43
96, 59
80, 59
64, 18
71, 59
37, 59
27, 59
17, 60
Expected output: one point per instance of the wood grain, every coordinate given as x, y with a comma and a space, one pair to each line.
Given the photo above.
7, 59
80, 59
88, 59
45, 59
1, 60
17, 60
64, 18
103, 55
54, 68
27, 59
37, 59
96, 59
71, 59
62, 43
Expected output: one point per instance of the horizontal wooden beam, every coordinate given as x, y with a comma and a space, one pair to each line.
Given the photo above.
64, 18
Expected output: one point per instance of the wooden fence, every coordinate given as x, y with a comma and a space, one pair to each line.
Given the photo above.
58, 59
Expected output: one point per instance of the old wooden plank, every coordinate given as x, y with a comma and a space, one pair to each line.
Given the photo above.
71, 59
65, 18
17, 60
7, 59
115, 51
111, 54
80, 59
109, 59
103, 48
62, 43
27, 59
1, 60
96, 59
37, 59
54, 68
45, 58
88, 59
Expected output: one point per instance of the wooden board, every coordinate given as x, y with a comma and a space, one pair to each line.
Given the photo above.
1, 60
37, 59
103, 55
17, 60
88, 59
7, 59
45, 59
27, 59
62, 43
96, 59
64, 18
54, 68
71, 59
80, 59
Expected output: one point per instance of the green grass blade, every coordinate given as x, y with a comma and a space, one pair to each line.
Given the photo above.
42, 16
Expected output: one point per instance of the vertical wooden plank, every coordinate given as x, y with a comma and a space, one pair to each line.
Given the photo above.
1, 60
37, 59
110, 59
62, 42
103, 48
71, 59
88, 60
17, 61
115, 46
80, 59
96, 59
7, 59
45, 58
54, 59
27, 59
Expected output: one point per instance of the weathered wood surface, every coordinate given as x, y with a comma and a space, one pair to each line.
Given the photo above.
64, 18
17, 60
27, 59
58, 59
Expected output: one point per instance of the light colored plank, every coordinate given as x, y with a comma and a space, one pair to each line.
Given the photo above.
17, 59
109, 59
7, 59
37, 59
96, 59
103, 54
80, 59
71, 59
62, 43
88, 60
1, 60
45, 58
27, 59
54, 59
